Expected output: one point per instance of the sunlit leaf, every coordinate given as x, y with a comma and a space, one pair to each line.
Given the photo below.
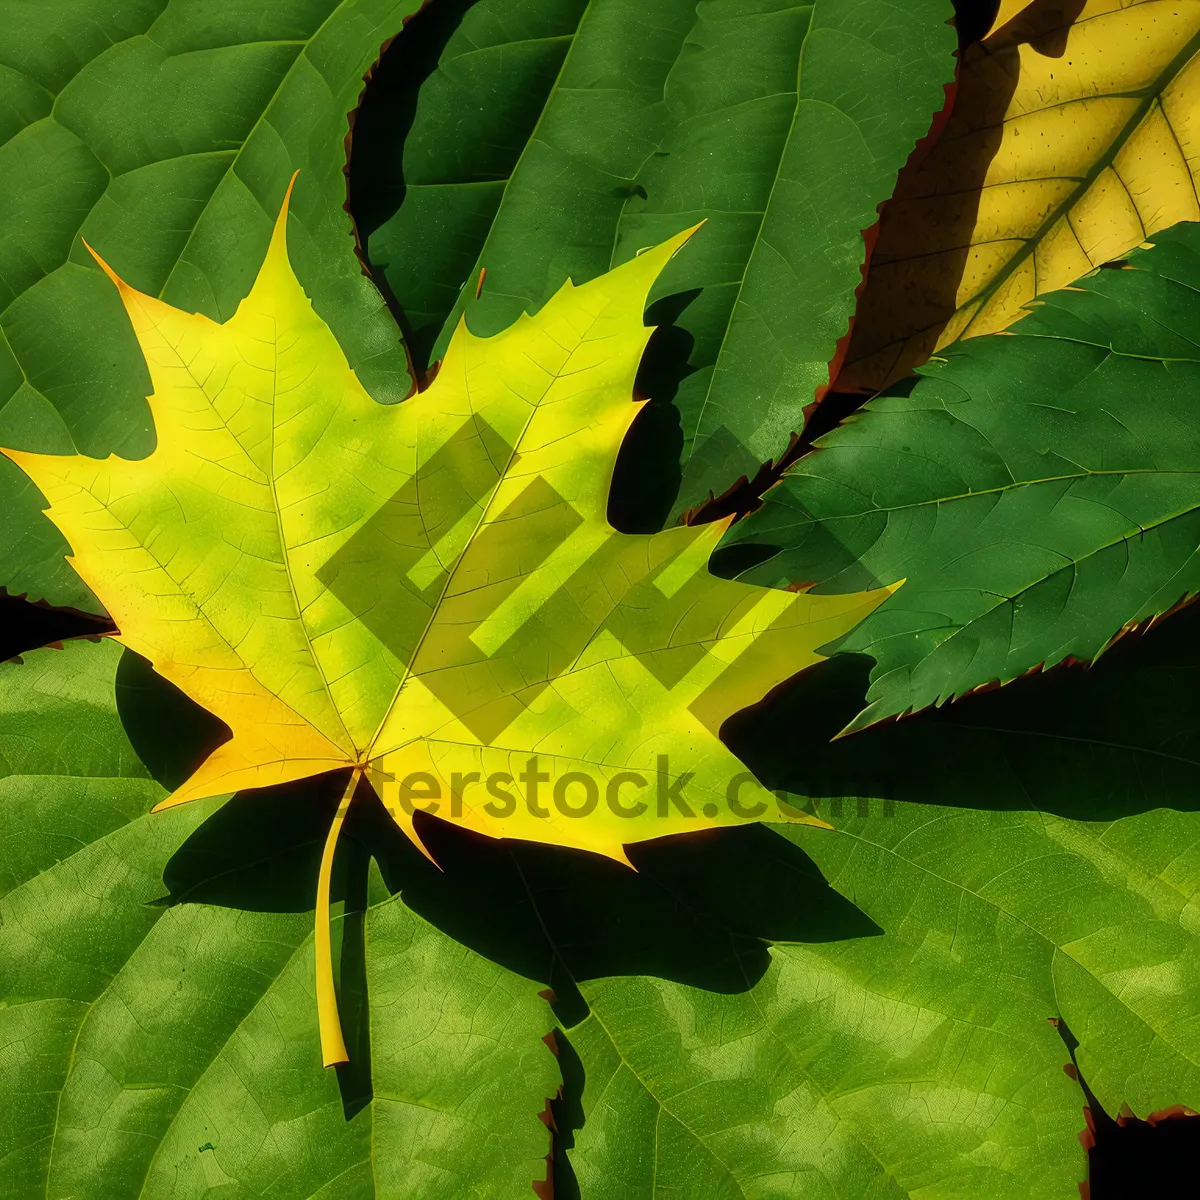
425, 587
429, 593
1074, 137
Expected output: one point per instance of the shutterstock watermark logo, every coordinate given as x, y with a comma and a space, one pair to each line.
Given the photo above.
500, 594
534, 789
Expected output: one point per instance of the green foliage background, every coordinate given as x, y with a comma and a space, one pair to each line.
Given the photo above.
770, 1012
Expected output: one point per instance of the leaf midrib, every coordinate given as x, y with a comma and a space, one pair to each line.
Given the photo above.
251, 669
285, 554
1070, 564
371, 750
762, 221
305, 45
459, 308
814, 522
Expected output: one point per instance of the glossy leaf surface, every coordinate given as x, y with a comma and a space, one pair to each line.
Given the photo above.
1027, 854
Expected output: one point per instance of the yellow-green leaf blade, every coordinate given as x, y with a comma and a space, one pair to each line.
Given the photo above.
430, 589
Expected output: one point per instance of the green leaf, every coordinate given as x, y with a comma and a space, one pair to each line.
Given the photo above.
921, 1062
875, 1068
1037, 490
159, 1033
915, 1062
1073, 875
835, 1061
583, 136
693, 922
164, 135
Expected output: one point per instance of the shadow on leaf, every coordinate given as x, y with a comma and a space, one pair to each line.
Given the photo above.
700, 909
1088, 744
647, 474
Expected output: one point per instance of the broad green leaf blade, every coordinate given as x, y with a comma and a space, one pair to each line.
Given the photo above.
159, 1030
1073, 138
783, 126
752, 1034
1039, 490
163, 135
460, 1067
1075, 875
1068, 892
875, 1068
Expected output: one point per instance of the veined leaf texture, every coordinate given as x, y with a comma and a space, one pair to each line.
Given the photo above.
1074, 137
402, 496
429, 587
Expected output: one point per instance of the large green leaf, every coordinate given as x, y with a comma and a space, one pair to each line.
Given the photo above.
164, 135
921, 1063
1039, 490
867, 1070
751, 1034
159, 1026
767, 1034
1074, 874
841, 1061
582, 135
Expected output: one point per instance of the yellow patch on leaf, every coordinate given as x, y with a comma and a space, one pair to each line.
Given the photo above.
1007, 10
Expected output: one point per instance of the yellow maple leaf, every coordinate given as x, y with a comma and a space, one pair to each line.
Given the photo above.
430, 593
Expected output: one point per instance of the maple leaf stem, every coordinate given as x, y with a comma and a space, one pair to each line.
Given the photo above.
333, 1046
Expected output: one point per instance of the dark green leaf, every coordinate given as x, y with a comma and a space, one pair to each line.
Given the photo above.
583, 136
165, 136
1038, 490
